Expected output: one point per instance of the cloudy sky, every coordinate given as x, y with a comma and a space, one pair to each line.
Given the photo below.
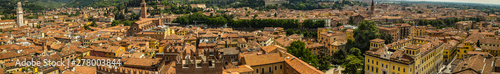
464, 1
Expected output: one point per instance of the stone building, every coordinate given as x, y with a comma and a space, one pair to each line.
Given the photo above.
143, 24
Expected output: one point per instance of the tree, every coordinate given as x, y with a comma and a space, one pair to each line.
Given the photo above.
86, 27
387, 37
255, 16
134, 16
90, 19
324, 61
352, 66
308, 23
478, 44
319, 23
339, 24
350, 44
298, 49
181, 20
355, 51
115, 23
351, 20
93, 24
366, 31
127, 23
338, 57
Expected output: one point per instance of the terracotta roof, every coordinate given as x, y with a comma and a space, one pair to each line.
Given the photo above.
301, 66
479, 53
263, 38
475, 64
96, 57
142, 61
204, 44
256, 60
7, 20
377, 40
230, 51
6, 55
169, 68
271, 48
413, 47
85, 70
240, 69
314, 45
399, 55
387, 29
242, 41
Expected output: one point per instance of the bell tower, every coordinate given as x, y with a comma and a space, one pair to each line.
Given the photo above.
20, 20
372, 8
144, 13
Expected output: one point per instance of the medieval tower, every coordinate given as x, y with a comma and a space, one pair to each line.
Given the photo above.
20, 20
144, 13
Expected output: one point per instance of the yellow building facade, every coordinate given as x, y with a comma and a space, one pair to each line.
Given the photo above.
405, 57
269, 68
462, 49
418, 31
350, 34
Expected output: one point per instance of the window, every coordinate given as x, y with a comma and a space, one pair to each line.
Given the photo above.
404, 69
269, 69
275, 67
257, 70
372, 68
377, 62
281, 67
398, 68
393, 67
263, 70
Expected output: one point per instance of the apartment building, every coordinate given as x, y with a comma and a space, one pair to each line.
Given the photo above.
410, 56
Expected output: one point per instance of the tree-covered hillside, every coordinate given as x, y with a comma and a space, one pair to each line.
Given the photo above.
95, 3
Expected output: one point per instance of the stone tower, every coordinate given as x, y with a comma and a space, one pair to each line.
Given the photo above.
20, 20
144, 13
372, 8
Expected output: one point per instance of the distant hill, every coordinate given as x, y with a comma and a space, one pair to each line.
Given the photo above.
8, 6
95, 3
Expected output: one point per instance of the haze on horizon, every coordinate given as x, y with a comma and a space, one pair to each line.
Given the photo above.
462, 1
